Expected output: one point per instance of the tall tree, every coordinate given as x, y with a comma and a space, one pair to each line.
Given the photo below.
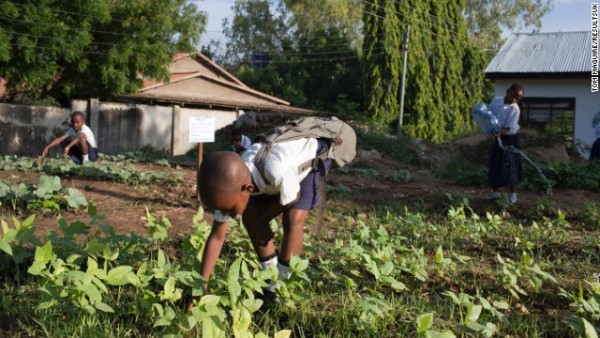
92, 47
486, 19
444, 74
382, 55
316, 68
254, 31
311, 16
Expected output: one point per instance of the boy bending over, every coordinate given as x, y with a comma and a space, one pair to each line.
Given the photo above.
78, 141
232, 185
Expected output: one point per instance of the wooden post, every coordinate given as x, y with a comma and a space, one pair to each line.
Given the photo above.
200, 145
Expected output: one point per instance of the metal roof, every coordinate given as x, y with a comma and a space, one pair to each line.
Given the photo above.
543, 53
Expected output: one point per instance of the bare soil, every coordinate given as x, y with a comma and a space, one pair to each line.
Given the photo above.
125, 206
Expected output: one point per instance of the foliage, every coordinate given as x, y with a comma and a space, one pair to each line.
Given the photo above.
397, 148
487, 20
119, 172
48, 195
463, 172
311, 16
308, 66
364, 281
444, 69
564, 175
382, 50
92, 47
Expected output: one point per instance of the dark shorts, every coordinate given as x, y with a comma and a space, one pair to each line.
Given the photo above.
309, 186
77, 156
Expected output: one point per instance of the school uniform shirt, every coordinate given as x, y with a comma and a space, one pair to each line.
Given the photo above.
507, 114
280, 169
85, 130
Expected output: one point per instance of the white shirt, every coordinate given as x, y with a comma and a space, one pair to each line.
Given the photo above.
507, 114
245, 142
85, 130
280, 169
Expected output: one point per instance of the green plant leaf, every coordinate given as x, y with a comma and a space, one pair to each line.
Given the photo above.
122, 275
48, 186
590, 331
104, 307
283, 334
233, 284
424, 322
75, 199
43, 253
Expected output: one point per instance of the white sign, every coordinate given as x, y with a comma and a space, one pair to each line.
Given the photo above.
202, 129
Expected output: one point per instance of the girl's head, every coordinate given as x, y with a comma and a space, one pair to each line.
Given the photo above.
514, 93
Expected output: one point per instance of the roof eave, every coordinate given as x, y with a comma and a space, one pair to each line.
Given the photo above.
544, 75
215, 104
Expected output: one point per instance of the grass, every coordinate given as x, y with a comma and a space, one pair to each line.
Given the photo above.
369, 274
346, 295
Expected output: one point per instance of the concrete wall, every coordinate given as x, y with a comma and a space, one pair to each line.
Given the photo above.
118, 127
587, 104
25, 130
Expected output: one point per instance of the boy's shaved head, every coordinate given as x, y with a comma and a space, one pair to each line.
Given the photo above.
223, 180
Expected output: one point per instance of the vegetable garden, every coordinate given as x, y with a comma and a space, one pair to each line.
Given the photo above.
112, 249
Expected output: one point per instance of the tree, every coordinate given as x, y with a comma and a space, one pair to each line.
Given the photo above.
254, 30
98, 48
311, 16
312, 68
487, 18
444, 74
382, 54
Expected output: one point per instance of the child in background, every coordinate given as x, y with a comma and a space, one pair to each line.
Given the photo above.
77, 142
240, 142
505, 167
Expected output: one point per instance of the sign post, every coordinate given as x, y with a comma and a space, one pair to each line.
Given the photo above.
202, 129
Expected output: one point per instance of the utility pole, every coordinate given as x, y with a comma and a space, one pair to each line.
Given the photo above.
403, 85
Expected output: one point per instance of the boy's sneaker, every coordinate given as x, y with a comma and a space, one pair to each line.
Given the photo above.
512, 198
493, 196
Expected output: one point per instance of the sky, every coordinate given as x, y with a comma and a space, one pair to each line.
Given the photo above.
566, 16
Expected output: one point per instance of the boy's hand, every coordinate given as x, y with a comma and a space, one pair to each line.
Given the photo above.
66, 150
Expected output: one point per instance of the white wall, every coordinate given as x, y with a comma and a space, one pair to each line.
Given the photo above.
587, 104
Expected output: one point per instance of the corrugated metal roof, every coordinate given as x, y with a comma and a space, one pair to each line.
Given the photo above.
562, 52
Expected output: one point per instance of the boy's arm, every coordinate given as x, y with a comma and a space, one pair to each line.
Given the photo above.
73, 142
53, 143
212, 249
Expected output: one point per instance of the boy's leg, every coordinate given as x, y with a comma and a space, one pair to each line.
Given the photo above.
260, 211
83, 146
293, 233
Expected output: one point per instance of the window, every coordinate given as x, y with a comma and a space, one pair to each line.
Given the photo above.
549, 114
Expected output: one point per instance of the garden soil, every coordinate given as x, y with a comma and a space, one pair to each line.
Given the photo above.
125, 206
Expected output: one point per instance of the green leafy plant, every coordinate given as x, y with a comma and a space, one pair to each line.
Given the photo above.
48, 195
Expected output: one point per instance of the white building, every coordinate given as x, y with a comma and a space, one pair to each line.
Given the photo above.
555, 70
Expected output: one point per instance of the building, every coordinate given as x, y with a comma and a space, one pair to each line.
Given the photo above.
555, 70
